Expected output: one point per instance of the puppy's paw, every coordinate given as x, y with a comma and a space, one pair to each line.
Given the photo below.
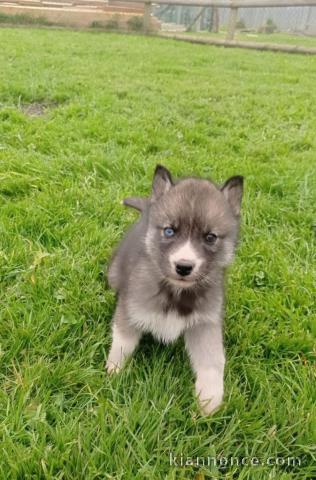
210, 406
112, 368
210, 395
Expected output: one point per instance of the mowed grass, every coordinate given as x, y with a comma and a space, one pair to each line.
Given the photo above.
108, 109
276, 38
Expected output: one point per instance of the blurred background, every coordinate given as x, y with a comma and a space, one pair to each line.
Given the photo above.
166, 17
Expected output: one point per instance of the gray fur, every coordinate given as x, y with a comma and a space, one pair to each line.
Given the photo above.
136, 202
153, 297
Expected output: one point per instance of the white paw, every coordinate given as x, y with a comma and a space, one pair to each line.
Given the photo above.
112, 368
208, 406
210, 394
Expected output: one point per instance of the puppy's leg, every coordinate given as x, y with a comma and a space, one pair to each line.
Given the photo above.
204, 344
125, 339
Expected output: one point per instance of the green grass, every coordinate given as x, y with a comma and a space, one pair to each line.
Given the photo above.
278, 38
23, 19
116, 106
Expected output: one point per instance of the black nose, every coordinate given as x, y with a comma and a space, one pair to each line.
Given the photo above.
184, 269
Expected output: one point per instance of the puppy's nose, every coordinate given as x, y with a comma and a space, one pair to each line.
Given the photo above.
184, 268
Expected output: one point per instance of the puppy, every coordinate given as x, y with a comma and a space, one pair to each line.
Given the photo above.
169, 274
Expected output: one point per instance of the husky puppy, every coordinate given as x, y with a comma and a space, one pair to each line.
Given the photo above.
169, 274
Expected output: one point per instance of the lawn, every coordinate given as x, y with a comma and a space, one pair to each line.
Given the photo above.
84, 119
276, 38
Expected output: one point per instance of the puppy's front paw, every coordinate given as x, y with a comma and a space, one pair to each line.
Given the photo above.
112, 368
210, 393
209, 406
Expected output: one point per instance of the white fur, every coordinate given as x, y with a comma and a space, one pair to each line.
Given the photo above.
122, 346
188, 253
204, 344
165, 327
180, 284
209, 387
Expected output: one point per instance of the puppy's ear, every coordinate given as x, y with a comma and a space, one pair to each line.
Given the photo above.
136, 202
162, 182
233, 190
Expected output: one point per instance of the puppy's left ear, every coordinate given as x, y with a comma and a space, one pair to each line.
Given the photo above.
233, 190
162, 182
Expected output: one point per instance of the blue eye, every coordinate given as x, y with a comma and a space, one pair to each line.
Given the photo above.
168, 232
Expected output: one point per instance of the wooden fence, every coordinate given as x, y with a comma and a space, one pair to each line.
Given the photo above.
233, 6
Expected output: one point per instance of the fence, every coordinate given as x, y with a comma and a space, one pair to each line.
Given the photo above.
300, 20
101, 12
233, 5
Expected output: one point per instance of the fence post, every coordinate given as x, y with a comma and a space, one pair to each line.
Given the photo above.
192, 26
214, 20
147, 15
233, 14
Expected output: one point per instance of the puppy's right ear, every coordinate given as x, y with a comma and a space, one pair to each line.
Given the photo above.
162, 182
136, 202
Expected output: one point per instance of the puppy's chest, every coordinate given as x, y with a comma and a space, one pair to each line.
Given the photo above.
165, 326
